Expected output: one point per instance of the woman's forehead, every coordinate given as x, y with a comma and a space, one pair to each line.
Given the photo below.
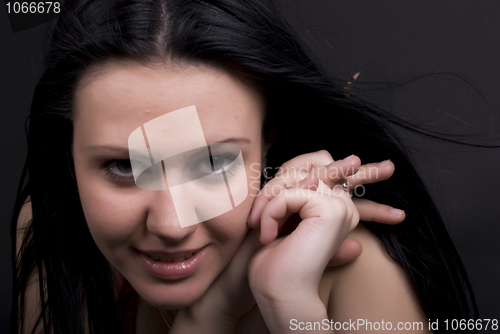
122, 96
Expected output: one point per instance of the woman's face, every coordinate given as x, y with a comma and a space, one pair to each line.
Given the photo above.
129, 223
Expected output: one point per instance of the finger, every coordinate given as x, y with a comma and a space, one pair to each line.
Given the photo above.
323, 205
286, 177
281, 211
276, 212
282, 206
334, 172
371, 173
380, 213
296, 169
348, 251
308, 160
272, 189
310, 181
326, 222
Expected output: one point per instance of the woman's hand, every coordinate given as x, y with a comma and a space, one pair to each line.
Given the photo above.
285, 274
322, 164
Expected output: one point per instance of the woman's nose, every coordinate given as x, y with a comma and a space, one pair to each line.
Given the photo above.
162, 219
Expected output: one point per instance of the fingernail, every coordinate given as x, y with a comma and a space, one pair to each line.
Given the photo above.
397, 211
384, 163
349, 158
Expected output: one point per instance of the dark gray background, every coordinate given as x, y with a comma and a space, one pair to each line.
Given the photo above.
385, 40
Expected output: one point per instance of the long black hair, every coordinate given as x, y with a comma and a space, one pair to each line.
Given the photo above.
305, 108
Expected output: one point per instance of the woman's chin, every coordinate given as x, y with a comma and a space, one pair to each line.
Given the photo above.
171, 298
170, 303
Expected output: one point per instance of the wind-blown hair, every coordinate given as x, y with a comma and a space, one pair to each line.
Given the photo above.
306, 110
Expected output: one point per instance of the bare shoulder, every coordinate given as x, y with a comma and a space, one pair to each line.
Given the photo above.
32, 307
373, 287
23, 221
32, 304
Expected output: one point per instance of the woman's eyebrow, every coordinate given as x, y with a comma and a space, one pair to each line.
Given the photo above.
107, 149
125, 151
235, 140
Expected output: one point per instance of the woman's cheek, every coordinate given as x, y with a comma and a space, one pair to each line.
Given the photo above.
232, 226
112, 218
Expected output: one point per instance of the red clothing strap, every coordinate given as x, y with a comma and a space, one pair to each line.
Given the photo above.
127, 305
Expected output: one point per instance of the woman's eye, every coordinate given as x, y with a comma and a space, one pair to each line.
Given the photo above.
119, 170
204, 168
123, 166
219, 163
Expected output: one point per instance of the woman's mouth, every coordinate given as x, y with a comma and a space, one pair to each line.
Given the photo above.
172, 266
170, 258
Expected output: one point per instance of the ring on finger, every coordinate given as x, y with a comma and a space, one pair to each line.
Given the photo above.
345, 185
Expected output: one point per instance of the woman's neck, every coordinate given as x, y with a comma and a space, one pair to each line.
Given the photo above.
151, 321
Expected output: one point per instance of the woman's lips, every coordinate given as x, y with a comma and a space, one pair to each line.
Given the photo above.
172, 269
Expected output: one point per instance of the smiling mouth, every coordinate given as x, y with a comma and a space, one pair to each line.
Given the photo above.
170, 258
172, 266
167, 257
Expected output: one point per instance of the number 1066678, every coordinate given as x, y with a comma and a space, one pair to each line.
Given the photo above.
41, 7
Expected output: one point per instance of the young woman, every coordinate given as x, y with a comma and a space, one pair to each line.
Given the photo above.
98, 254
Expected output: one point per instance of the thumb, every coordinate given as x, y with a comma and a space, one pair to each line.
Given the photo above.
310, 181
